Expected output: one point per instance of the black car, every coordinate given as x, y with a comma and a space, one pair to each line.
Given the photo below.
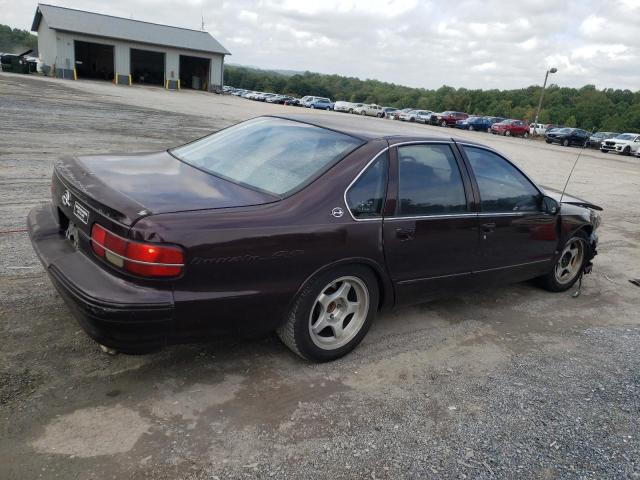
567, 136
597, 138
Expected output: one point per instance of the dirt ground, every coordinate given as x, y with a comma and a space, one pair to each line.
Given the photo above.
509, 383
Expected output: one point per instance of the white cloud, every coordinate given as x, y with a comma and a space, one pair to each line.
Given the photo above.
529, 44
483, 67
592, 24
248, 16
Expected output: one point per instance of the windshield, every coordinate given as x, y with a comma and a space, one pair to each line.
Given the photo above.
269, 154
563, 130
625, 136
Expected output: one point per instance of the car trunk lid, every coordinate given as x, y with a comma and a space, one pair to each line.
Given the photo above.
125, 188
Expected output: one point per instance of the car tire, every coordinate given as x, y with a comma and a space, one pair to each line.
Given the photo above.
569, 265
471, 128
349, 284
489, 130
507, 133
626, 150
548, 141
313, 106
565, 142
525, 135
351, 110
604, 151
443, 124
363, 113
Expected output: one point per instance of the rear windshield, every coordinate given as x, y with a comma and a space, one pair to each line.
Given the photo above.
273, 155
626, 136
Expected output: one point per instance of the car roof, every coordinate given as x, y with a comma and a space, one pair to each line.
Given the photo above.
368, 128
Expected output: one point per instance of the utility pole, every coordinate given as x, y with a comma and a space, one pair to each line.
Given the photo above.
546, 76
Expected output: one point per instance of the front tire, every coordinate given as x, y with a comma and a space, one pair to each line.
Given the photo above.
443, 124
569, 264
471, 128
507, 133
565, 143
332, 314
626, 151
525, 135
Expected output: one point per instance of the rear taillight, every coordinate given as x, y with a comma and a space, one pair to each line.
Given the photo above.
144, 259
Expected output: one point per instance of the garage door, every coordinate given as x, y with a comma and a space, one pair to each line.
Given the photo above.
194, 72
147, 67
94, 60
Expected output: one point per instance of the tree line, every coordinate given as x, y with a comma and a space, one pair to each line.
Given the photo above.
587, 107
14, 40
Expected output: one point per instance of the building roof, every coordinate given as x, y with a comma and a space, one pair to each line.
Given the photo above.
99, 25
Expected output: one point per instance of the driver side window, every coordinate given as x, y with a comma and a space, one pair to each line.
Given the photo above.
502, 187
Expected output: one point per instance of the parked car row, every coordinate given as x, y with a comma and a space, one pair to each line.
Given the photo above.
625, 144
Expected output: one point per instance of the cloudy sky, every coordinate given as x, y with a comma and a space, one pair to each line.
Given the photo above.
422, 43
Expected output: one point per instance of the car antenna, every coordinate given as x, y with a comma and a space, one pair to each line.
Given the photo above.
584, 145
578, 291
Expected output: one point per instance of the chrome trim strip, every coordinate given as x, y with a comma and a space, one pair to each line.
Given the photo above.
513, 266
416, 280
447, 141
344, 196
503, 214
434, 216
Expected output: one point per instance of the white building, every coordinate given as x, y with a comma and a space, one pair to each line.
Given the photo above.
77, 44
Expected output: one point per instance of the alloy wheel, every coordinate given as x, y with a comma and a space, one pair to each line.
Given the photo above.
570, 261
338, 313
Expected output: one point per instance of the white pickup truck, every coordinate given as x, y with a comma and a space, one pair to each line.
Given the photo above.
625, 144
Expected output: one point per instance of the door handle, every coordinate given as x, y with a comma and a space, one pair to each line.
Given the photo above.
405, 234
488, 227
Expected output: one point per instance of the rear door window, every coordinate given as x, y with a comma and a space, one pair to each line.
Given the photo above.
430, 182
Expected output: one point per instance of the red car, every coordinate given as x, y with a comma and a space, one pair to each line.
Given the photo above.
511, 127
448, 118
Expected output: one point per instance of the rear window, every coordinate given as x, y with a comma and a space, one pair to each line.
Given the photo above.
273, 155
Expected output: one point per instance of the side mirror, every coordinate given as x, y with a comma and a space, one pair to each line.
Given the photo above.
550, 205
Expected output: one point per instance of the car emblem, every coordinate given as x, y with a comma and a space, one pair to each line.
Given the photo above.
66, 198
337, 212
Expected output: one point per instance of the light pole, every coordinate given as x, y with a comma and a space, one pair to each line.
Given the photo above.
546, 76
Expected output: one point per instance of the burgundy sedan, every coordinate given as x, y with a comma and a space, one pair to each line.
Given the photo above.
305, 225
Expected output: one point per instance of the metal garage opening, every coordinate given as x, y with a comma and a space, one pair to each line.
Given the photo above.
194, 72
147, 67
94, 60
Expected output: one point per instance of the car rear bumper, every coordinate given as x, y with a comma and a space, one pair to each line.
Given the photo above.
113, 311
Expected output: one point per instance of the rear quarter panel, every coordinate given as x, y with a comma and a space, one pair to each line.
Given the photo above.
245, 265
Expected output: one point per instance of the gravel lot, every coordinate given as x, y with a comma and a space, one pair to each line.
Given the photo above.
516, 383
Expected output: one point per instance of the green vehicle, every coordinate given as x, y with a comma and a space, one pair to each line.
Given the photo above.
16, 63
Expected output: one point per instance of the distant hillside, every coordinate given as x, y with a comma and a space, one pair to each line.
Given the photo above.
286, 73
14, 40
586, 107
